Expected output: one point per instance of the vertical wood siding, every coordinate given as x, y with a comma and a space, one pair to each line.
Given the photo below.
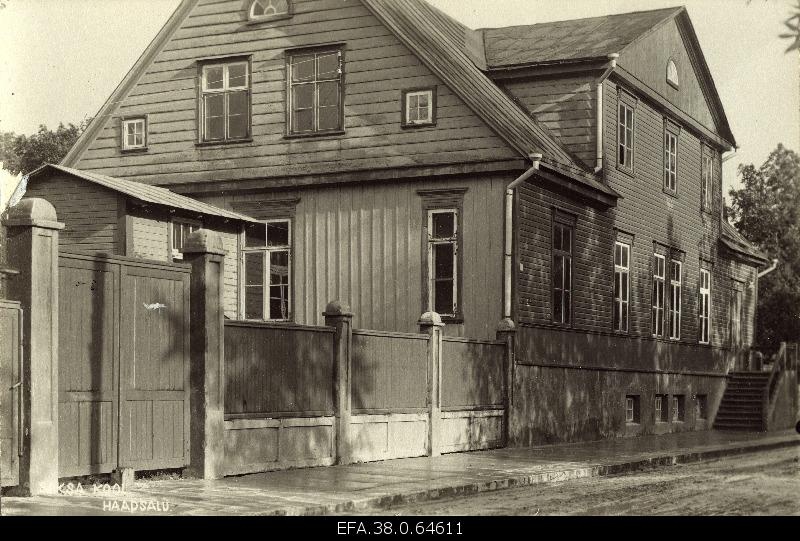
389, 372
377, 68
278, 370
364, 246
472, 374
566, 106
89, 212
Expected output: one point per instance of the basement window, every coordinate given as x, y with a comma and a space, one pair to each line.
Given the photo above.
632, 409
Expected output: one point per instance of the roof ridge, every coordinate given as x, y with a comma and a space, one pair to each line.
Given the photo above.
675, 8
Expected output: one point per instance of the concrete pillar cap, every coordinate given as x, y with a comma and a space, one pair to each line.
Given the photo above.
430, 319
337, 308
506, 325
33, 212
203, 241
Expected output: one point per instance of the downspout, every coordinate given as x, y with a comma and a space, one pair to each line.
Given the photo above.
610, 66
769, 269
509, 231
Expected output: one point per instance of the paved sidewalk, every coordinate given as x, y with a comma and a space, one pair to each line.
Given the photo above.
357, 487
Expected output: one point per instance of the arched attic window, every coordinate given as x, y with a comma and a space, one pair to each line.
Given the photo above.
672, 73
267, 10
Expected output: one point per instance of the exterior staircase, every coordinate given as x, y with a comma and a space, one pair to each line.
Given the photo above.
743, 405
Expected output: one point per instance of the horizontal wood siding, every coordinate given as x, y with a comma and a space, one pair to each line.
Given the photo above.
389, 372
230, 243
472, 374
647, 61
364, 247
150, 237
566, 106
89, 213
278, 370
378, 67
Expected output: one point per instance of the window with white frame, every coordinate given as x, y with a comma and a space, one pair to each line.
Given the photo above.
672, 73
180, 230
622, 256
443, 261
678, 408
625, 135
419, 107
134, 133
675, 286
267, 271
316, 92
562, 272
225, 101
707, 180
661, 408
659, 279
269, 9
705, 306
632, 409
736, 317
670, 160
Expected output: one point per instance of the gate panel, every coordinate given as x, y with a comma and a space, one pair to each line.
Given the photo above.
10, 355
88, 365
154, 394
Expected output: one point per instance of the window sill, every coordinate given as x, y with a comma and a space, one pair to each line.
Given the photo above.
142, 150
315, 135
207, 144
627, 171
263, 20
418, 126
671, 193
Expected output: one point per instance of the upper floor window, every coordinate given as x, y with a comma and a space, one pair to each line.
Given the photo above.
672, 73
659, 278
180, 230
267, 257
705, 306
736, 317
625, 134
419, 107
269, 9
134, 133
562, 271
443, 261
316, 93
225, 102
675, 299
707, 174
622, 253
670, 159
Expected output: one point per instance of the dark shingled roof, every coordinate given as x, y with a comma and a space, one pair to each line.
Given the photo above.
580, 39
735, 241
146, 193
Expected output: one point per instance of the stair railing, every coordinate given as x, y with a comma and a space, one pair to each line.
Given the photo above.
779, 365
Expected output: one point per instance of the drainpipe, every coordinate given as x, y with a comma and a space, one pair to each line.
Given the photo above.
509, 219
768, 270
610, 66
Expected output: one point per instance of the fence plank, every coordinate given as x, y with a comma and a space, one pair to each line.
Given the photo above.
472, 374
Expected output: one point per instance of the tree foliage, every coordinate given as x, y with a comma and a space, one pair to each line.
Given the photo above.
766, 210
23, 153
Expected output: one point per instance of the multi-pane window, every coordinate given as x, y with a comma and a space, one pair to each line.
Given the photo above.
661, 408
622, 256
562, 273
180, 230
670, 161
419, 107
659, 278
632, 409
225, 102
268, 271
625, 136
678, 408
443, 261
705, 306
269, 9
707, 181
315, 92
134, 133
675, 286
736, 318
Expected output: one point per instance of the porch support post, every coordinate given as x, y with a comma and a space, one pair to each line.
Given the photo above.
506, 331
430, 323
33, 249
203, 250
338, 316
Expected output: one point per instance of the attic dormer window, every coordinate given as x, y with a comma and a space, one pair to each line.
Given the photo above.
266, 10
672, 73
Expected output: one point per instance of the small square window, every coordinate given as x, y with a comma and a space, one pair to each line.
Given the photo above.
632, 409
180, 230
702, 406
678, 408
419, 107
661, 408
134, 133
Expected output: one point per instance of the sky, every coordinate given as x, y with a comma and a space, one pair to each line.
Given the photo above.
61, 59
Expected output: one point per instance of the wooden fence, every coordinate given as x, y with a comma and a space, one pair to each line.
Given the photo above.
473, 375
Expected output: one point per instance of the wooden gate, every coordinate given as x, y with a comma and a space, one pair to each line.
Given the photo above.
10, 391
123, 364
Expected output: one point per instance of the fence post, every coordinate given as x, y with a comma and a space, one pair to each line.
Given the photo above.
33, 249
430, 323
338, 316
506, 330
203, 250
